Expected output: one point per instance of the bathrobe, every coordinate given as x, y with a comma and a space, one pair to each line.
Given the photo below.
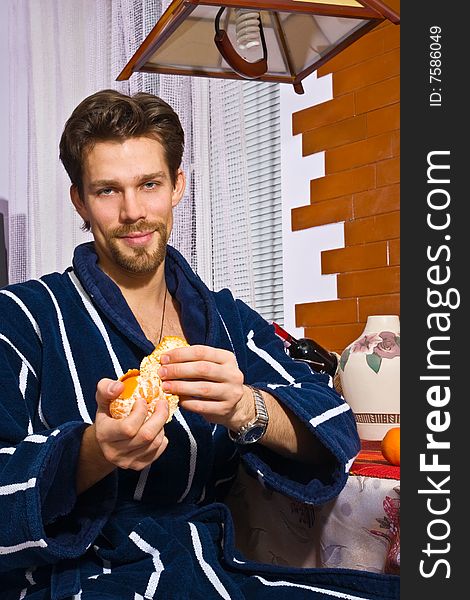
163, 532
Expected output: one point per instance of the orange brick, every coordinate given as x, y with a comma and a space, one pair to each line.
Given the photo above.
394, 252
322, 213
383, 119
325, 313
369, 283
335, 337
332, 111
388, 171
373, 202
360, 153
341, 184
396, 143
354, 258
371, 44
366, 73
391, 37
388, 304
378, 95
394, 5
337, 134
372, 229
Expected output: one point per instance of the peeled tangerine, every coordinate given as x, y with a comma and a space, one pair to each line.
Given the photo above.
145, 383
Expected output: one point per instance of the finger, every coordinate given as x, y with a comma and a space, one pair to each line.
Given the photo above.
196, 370
212, 410
154, 425
106, 391
196, 353
129, 426
139, 458
201, 389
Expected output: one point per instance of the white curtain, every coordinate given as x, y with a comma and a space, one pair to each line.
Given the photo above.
60, 51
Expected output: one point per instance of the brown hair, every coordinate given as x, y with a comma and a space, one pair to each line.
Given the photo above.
109, 115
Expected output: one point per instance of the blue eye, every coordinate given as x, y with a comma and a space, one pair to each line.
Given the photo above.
105, 192
150, 185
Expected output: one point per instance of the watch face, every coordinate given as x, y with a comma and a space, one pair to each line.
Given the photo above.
254, 434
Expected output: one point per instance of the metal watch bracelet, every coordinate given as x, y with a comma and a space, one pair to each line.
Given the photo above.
259, 422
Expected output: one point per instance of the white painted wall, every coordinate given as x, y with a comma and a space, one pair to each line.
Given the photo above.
303, 281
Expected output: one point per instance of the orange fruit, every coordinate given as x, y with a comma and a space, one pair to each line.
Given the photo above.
390, 446
129, 380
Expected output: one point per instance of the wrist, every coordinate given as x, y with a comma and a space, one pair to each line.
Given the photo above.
254, 427
92, 463
245, 410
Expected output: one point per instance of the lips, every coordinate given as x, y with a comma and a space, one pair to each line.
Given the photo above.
139, 238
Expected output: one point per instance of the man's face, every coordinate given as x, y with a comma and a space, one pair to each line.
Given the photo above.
128, 198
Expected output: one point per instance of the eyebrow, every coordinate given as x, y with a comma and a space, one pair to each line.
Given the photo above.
138, 179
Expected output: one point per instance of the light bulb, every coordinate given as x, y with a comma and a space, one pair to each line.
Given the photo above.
247, 25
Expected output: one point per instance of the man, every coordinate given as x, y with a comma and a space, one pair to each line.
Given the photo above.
96, 507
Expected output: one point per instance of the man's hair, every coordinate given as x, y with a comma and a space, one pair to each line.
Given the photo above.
109, 115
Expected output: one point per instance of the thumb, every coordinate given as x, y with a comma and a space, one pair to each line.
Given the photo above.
107, 390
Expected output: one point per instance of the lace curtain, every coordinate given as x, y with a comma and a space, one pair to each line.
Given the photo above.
61, 51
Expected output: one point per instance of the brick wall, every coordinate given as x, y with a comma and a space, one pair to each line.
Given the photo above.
359, 130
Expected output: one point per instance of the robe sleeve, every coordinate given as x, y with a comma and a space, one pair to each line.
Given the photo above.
312, 398
43, 520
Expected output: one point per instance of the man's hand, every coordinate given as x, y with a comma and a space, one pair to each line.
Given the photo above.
130, 443
209, 382
135, 441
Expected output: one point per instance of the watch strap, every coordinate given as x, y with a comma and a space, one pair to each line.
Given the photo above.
261, 419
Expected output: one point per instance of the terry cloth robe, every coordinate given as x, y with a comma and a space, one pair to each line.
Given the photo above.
163, 532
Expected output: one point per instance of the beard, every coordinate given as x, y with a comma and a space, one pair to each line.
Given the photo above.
138, 260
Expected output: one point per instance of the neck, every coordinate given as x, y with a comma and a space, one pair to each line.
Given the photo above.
138, 288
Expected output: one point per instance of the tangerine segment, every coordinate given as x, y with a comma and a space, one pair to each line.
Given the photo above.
390, 446
130, 381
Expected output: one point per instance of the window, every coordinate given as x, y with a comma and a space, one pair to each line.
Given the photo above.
262, 132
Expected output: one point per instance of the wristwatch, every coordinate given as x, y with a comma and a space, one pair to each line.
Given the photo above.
255, 429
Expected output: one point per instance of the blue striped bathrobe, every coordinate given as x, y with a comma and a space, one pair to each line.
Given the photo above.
163, 532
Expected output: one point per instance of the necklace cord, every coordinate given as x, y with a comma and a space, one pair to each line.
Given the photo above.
163, 315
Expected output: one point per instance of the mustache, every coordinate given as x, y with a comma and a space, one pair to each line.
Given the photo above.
140, 227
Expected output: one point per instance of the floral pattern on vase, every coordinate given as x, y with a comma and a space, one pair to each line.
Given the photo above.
369, 370
385, 344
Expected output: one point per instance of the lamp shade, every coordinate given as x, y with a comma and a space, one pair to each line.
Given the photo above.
278, 41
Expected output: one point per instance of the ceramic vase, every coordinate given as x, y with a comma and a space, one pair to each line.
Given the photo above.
369, 370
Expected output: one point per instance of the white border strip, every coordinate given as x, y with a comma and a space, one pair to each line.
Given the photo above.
155, 554
23, 546
25, 309
12, 488
205, 566
192, 453
324, 591
329, 414
68, 353
97, 321
4, 338
268, 358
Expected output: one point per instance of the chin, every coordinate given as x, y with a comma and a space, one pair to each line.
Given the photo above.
141, 261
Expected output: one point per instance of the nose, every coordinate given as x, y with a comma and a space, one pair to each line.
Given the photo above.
132, 207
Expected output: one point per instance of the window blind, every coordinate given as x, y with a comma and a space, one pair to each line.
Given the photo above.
263, 147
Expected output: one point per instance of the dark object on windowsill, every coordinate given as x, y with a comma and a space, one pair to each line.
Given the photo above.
308, 351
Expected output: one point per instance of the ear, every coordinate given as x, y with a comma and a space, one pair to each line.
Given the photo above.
78, 203
178, 190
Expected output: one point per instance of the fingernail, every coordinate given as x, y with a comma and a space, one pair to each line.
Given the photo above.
164, 359
162, 372
114, 387
166, 386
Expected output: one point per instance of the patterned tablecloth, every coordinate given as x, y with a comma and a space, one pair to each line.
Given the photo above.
360, 529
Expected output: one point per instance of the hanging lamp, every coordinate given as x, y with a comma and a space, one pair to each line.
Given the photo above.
277, 41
